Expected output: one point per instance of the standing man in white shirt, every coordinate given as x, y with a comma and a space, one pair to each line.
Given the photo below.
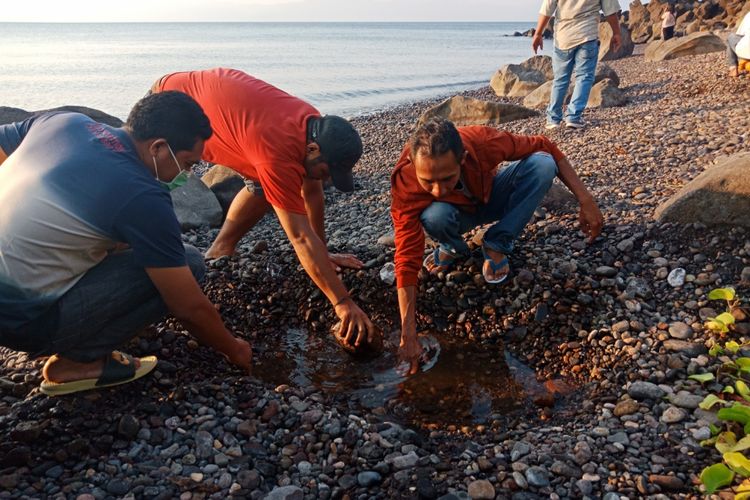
738, 45
576, 48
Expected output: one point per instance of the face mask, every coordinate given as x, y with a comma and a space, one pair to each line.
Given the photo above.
179, 180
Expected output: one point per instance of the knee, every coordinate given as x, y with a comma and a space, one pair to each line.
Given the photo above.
195, 262
435, 217
543, 167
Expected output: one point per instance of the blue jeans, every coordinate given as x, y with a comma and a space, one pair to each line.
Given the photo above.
583, 59
517, 190
107, 307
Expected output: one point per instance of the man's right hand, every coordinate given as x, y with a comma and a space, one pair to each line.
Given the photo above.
410, 350
537, 43
356, 328
242, 356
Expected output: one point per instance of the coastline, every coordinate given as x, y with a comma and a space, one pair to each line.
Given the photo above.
245, 437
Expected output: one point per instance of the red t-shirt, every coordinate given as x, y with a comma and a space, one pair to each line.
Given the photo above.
487, 148
259, 131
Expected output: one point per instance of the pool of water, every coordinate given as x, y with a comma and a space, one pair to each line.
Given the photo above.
464, 382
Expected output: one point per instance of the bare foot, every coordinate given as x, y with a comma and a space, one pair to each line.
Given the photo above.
219, 250
59, 370
497, 257
433, 268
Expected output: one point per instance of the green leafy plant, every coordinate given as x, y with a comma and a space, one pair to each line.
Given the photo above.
732, 439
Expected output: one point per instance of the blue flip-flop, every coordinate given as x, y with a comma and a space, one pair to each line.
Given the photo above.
447, 263
495, 267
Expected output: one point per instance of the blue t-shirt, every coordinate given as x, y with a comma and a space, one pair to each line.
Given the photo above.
70, 190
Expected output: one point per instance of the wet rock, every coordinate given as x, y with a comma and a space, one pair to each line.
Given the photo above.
520, 449
537, 476
26, 432
606, 271
118, 487
128, 426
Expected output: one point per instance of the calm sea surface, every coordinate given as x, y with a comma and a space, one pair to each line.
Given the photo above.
344, 68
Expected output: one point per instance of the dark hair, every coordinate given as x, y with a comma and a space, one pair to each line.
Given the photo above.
340, 144
436, 137
173, 115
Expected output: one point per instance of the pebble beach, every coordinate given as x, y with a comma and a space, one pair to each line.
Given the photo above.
600, 326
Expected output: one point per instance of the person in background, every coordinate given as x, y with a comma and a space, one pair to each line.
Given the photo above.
90, 248
576, 49
738, 46
668, 22
287, 149
447, 182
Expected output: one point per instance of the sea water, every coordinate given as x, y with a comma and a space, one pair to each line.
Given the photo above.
343, 68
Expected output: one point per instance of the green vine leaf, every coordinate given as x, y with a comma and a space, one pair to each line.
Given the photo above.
709, 402
726, 442
722, 294
738, 463
736, 413
702, 377
732, 346
743, 390
716, 476
716, 350
725, 318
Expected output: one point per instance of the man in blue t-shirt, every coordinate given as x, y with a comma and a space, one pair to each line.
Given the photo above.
90, 247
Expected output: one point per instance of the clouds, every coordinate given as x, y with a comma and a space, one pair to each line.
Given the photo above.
272, 10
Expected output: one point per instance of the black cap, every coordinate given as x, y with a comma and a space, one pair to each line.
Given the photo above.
341, 148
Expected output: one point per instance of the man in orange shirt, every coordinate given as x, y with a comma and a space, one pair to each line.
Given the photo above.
283, 144
447, 182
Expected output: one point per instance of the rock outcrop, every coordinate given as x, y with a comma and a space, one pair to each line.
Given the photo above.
690, 45
539, 98
467, 111
605, 94
195, 205
519, 80
606, 53
718, 196
225, 183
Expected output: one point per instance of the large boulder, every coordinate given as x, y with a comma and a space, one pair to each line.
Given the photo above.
195, 205
690, 45
10, 115
467, 111
225, 183
606, 53
539, 98
519, 80
605, 94
718, 196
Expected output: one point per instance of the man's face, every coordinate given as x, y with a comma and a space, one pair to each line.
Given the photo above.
438, 175
188, 158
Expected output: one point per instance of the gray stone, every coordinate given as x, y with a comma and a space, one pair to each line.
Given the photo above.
285, 493
406, 461
537, 476
481, 490
118, 487
204, 444
673, 415
606, 94
196, 205
679, 330
606, 271
367, 479
619, 437
645, 390
520, 449
685, 399
128, 426
718, 196
685, 347
467, 111
387, 240
604, 71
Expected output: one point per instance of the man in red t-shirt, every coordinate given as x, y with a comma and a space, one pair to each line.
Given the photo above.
283, 144
447, 182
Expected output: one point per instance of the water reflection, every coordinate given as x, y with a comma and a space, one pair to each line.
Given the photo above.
468, 384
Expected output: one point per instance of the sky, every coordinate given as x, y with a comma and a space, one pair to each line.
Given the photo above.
269, 10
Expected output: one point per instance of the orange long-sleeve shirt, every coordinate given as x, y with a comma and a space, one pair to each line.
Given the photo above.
487, 148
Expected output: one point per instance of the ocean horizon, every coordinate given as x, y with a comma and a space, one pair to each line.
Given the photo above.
340, 67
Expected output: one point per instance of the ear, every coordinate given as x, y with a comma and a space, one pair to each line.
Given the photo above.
155, 145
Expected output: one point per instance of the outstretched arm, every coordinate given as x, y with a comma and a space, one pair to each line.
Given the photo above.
590, 217
614, 23
410, 348
313, 255
191, 307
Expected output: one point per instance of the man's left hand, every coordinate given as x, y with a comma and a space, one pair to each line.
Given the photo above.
616, 41
340, 260
591, 219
